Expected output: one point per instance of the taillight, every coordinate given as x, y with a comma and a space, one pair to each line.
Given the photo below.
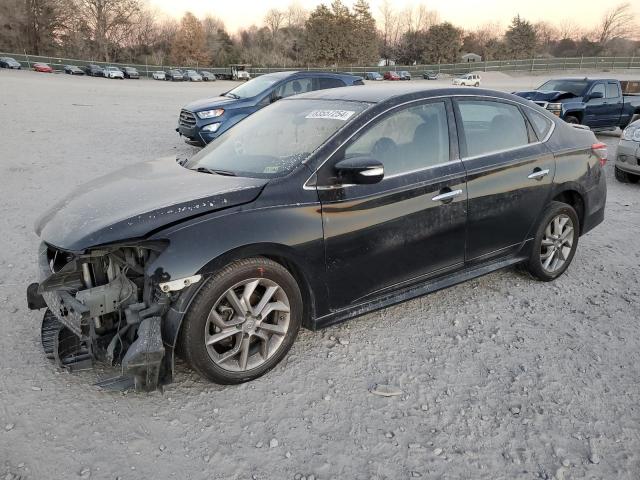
600, 151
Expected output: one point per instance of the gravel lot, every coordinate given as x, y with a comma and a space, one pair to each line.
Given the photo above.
502, 377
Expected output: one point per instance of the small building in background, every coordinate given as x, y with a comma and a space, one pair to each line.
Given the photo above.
471, 58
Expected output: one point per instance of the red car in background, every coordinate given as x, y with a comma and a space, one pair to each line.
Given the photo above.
391, 75
42, 67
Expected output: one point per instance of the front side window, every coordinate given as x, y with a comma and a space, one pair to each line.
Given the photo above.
490, 126
407, 140
295, 87
598, 88
273, 141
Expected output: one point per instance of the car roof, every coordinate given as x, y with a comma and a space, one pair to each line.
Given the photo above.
386, 92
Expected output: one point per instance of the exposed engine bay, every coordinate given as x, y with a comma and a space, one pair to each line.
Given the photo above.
102, 307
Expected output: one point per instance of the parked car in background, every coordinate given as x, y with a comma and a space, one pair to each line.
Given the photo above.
598, 103
391, 75
94, 70
316, 210
159, 75
9, 62
404, 75
174, 75
131, 72
375, 76
113, 72
42, 67
207, 76
203, 120
192, 76
430, 75
73, 70
627, 167
468, 80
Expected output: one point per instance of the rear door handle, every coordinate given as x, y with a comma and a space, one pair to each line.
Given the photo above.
450, 195
538, 174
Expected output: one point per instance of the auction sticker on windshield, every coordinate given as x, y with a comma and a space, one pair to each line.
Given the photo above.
343, 115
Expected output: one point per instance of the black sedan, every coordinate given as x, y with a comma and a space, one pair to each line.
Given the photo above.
130, 72
174, 75
73, 70
317, 209
9, 62
94, 70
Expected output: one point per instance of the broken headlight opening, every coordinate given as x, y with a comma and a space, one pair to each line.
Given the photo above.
102, 307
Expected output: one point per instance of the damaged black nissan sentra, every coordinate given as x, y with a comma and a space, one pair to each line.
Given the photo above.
314, 210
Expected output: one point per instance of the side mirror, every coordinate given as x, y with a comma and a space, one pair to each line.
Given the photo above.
359, 171
593, 95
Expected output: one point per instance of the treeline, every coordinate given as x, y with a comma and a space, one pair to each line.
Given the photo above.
335, 35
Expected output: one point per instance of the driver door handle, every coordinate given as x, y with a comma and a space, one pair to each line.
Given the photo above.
538, 174
450, 195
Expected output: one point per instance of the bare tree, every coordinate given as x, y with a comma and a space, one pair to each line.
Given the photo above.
568, 29
296, 15
616, 23
416, 18
107, 20
274, 19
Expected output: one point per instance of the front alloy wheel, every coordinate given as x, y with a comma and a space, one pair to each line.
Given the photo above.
242, 322
247, 324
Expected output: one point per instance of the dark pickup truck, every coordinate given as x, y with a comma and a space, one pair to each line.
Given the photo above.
601, 104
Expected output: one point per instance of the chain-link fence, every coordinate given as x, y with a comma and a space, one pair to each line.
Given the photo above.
529, 65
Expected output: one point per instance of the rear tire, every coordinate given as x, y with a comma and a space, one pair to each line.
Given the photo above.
625, 177
555, 242
226, 335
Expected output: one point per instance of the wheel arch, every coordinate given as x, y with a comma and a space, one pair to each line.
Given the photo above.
571, 196
281, 254
579, 114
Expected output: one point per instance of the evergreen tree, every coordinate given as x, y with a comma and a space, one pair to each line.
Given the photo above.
521, 38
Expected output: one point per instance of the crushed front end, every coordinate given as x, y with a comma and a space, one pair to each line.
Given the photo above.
100, 306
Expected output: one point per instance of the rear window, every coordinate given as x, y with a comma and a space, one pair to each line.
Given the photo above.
490, 126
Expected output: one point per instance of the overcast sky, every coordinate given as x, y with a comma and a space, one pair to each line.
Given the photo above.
465, 13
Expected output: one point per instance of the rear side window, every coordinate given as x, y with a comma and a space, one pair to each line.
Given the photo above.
612, 90
407, 140
490, 126
324, 83
541, 124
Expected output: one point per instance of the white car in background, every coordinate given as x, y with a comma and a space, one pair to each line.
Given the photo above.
468, 80
159, 75
113, 72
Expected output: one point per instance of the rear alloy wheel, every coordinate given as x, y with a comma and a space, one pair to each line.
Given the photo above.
243, 321
555, 243
626, 177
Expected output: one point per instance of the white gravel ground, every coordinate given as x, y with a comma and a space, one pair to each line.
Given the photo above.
502, 377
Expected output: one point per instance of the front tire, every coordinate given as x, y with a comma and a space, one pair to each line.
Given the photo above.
555, 242
571, 119
242, 322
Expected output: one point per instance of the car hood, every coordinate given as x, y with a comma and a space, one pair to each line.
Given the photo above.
211, 103
545, 95
134, 201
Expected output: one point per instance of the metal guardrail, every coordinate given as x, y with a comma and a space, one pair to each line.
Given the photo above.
528, 65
